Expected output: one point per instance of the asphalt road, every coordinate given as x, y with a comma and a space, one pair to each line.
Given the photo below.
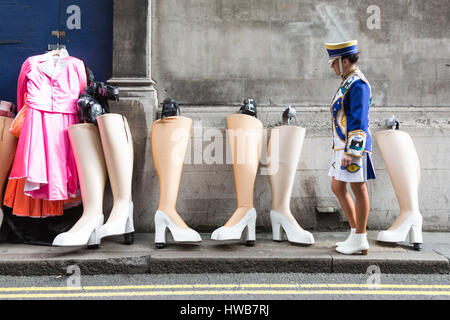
207, 287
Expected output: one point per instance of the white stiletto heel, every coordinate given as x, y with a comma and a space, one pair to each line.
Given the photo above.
163, 224
357, 243
235, 232
412, 226
122, 225
293, 233
87, 235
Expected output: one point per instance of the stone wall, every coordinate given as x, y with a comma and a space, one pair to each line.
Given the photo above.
211, 54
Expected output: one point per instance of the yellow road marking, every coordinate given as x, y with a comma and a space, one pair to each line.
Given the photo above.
220, 292
228, 286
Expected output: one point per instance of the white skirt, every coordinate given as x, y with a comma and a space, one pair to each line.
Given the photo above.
360, 170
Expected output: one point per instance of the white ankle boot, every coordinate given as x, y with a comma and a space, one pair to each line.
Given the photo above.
163, 222
122, 224
357, 243
412, 225
235, 232
86, 235
342, 243
293, 233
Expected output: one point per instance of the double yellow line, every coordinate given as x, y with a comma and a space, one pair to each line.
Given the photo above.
222, 289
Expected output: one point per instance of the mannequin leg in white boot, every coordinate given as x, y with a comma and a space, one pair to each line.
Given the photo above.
245, 136
402, 163
117, 145
91, 167
284, 150
8, 145
170, 139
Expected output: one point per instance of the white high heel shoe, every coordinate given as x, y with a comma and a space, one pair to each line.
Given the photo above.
412, 226
87, 235
124, 225
235, 232
357, 243
163, 223
293, 233
343, 243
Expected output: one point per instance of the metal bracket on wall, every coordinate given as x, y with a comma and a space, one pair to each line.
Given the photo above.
51, 47
59, 35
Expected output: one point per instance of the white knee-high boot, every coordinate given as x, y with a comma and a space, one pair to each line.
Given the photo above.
402, 163
284, 150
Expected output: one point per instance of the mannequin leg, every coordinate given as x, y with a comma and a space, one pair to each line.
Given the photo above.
245, 136
117, 146
169, 140
91, 167
8, 144
402, 163
284, 150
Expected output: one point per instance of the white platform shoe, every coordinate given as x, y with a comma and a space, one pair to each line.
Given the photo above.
342, 243
412, 226
120, 225
88, 235
293, 233
164, 224
357, 243
248, 222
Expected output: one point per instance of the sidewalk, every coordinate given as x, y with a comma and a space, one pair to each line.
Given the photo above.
217, 257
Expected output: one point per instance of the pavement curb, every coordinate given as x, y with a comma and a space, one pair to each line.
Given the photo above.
266, 256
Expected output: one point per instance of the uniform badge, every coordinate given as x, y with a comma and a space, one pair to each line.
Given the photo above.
352, 168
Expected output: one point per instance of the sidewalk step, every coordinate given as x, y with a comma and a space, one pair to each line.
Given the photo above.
218, 257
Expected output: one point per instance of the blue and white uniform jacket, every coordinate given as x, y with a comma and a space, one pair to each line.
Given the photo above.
350, 115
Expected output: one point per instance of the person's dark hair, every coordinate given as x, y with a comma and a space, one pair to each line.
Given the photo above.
352, 58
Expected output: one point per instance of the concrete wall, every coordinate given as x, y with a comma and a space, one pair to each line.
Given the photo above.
220, 51
211, 54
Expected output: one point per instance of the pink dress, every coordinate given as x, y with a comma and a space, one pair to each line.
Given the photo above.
44, 156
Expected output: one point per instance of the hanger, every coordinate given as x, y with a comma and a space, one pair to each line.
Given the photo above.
55, 52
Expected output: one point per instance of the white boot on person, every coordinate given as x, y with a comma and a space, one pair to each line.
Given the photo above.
342, 243
357, 243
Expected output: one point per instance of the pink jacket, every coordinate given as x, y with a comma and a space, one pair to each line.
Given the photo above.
52, 83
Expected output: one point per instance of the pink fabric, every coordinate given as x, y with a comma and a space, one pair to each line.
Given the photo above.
51, 92
44, 155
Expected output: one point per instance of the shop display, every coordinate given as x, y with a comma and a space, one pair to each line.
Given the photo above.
169, 140
402, 162
284, 150
245, 134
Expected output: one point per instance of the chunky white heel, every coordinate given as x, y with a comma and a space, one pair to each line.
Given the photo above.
235, 232
87, 235
357, 243
164, 224
411, 226
293, 233
342, 243
119, 225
